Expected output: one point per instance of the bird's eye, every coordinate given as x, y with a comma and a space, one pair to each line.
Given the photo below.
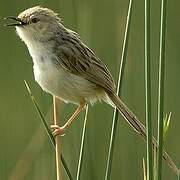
34, 20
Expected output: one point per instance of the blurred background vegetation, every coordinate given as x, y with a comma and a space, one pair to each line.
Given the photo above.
26, 152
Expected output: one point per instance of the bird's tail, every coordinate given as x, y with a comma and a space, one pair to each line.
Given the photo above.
139, 127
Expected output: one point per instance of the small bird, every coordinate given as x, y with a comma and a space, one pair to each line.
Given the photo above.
66, 68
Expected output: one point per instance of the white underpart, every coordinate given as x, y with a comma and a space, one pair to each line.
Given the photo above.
55, 80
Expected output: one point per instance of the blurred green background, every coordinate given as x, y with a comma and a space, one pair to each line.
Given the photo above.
25, 150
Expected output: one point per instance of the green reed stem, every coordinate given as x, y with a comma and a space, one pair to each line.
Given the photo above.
48, 131
81, 153
148, 91
161, 87
119, 87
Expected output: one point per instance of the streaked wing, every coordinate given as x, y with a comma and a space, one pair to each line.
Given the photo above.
78, 59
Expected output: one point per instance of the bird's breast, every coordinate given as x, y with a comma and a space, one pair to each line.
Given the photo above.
57, 81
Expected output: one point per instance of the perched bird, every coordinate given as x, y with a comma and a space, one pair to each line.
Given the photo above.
66, 68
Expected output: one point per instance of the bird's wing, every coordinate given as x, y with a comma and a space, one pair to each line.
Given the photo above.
78, 59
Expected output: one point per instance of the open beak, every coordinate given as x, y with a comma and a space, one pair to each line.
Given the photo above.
19, 22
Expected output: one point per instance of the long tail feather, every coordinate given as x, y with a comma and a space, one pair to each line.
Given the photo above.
139, 127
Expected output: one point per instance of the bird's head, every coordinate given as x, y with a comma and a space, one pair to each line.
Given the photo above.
35, 23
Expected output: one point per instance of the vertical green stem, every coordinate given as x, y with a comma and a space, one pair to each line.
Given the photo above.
148, 91
161, 87
119, 87
81, 153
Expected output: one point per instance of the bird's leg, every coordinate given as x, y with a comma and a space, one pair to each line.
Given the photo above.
58, 130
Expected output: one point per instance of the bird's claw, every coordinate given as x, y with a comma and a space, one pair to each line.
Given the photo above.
57, 130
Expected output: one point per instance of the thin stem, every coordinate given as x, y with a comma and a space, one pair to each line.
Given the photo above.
57, 141
66, 168
148, 91
119, 87
144, 170
161, 87
48, 131
81, 153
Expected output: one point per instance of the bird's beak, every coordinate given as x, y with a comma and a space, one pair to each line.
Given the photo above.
19, 22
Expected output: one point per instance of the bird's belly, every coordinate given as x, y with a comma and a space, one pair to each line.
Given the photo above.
65, 85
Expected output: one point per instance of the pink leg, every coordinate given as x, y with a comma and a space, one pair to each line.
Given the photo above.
59, 130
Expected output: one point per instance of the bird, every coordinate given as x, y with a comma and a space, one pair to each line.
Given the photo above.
68, 69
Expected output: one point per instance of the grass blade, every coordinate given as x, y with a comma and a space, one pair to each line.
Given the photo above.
161, 87
48, 131
81, 153
119, 87
68, 173
148, 91
144, 170
166, 124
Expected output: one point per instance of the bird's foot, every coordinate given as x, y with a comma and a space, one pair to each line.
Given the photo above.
57, 130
